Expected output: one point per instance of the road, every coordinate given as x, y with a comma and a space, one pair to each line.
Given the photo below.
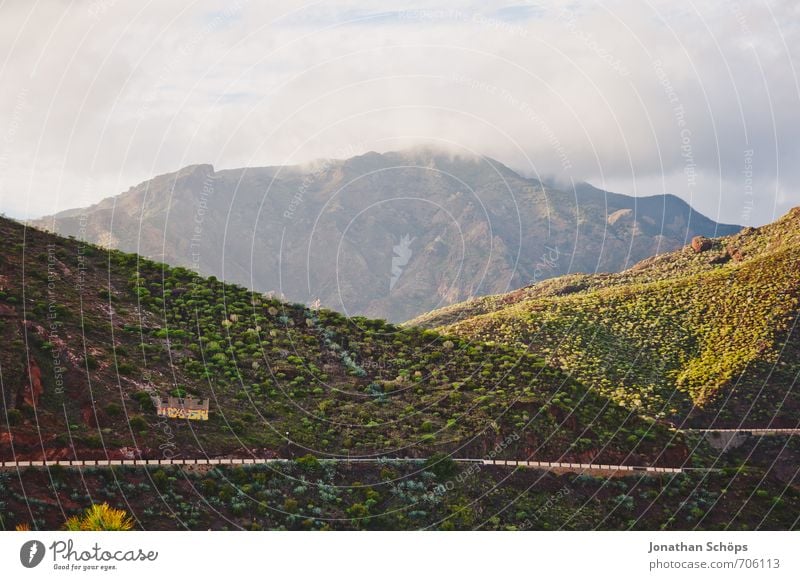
745, 430
548, 465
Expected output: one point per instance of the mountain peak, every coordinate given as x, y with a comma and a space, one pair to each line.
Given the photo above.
331, 230
198, 168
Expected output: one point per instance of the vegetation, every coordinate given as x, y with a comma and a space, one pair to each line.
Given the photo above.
282, 378
396, 495
582, 369
707, 335
100, 517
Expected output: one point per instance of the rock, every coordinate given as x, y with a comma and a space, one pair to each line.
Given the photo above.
735, 253
622, 214
34, 389
701, 244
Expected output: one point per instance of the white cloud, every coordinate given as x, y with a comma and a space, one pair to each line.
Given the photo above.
106, 94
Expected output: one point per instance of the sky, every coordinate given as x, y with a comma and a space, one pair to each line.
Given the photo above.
698, 99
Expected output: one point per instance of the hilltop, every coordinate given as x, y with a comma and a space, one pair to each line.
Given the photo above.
707, 333
389, 235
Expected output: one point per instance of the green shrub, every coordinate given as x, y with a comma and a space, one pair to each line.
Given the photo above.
14, 416
137, 423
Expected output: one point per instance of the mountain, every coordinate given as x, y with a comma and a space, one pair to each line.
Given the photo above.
90, 336
389, 235
707, 334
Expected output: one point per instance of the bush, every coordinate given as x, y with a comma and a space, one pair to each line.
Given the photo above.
441, 465
91, 363
137, 423
308, 462
160, 479
125, 368
93, 441
144, 400
14, 416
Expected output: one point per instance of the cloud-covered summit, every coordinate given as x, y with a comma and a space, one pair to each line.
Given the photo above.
646, 98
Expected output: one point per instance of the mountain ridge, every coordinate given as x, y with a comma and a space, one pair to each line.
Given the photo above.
334, 230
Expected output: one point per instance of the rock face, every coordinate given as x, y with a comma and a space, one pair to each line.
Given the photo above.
34, 389
701, 244
620, 216
384, 235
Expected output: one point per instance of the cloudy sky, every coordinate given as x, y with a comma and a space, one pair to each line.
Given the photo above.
700, 99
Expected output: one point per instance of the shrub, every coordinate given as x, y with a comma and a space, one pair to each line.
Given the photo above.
125, 368
137, 423
441, 465
144, 400
100, 517
14, 416
308, 462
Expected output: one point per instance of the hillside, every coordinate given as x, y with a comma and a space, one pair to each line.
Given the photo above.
307, 495
90, 335
707, 333
383, 235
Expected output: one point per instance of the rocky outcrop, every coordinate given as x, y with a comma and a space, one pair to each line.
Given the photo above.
701, 244
734, 253
34, 388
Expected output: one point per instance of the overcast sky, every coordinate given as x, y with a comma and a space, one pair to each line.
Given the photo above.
634, 96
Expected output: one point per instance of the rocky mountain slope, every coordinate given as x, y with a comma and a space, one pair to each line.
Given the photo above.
707, 333
383, 235
89, 336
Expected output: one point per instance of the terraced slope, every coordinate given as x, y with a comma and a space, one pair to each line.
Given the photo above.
707, 333
89, 335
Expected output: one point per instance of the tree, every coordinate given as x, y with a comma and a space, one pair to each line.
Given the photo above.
100, 517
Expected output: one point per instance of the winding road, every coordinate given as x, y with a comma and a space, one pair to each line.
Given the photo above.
548, 465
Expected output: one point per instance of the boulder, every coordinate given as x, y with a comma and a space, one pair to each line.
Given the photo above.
735, 253
701, 244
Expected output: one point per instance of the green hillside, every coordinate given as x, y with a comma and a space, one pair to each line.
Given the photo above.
707, 332
89, 335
